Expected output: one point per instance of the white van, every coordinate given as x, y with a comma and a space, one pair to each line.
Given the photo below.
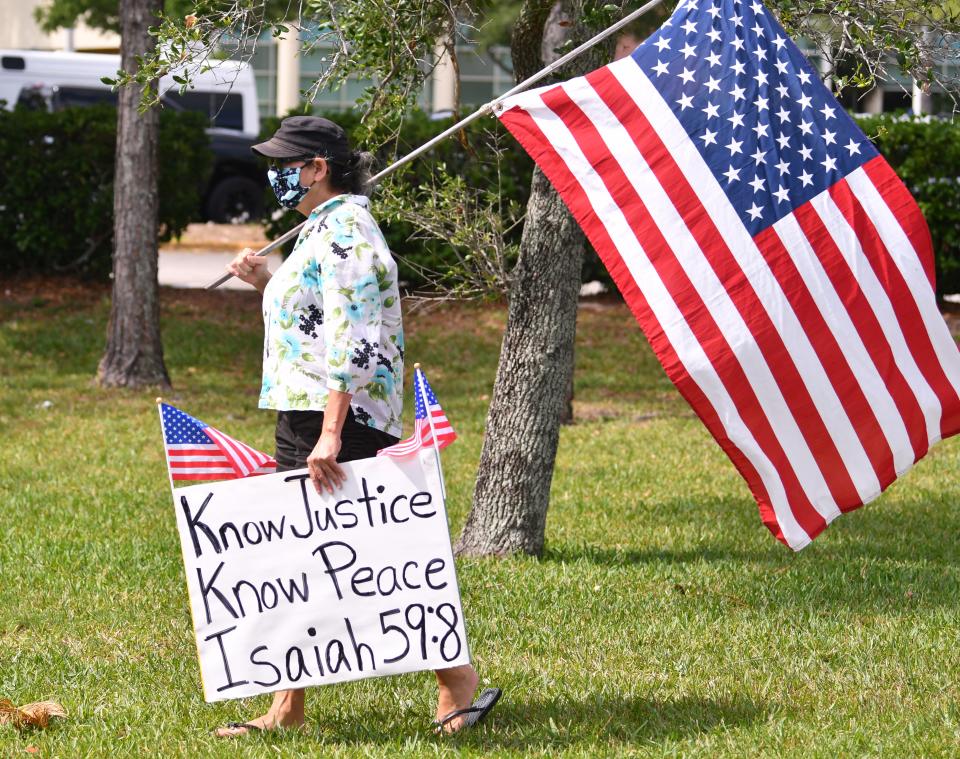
227, 95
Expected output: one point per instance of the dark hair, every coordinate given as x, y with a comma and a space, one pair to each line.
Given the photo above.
352, 175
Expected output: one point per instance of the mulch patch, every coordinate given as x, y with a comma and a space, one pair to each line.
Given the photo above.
38, 291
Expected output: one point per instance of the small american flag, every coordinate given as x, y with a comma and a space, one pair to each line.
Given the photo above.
197, 451
426, 429
778, 266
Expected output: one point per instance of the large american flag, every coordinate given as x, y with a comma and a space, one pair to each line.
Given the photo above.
197, 451
430, 422
779, 268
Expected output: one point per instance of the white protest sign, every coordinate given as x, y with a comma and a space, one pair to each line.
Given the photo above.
290, 589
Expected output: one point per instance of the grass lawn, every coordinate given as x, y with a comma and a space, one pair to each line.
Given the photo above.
663, 620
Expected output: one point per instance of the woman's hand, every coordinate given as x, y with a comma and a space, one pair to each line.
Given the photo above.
248, 267
325, 472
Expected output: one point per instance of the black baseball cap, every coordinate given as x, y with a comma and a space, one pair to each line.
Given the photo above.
306, 136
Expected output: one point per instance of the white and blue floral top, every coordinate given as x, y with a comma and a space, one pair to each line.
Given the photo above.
331, 316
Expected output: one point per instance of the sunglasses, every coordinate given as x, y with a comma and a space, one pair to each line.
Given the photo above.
278, 165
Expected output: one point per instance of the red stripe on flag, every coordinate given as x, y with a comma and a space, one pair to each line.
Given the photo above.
525, 129
709, 239
696, 312
256, 458
847, 287
828, 350
206, 463
904, 306
232, 451
409, 445
899, 200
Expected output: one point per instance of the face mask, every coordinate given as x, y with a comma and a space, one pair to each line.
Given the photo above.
286, 186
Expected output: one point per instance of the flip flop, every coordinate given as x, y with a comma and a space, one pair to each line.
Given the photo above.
239, 725
474, 713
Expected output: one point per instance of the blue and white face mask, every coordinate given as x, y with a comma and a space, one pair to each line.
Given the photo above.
286, 186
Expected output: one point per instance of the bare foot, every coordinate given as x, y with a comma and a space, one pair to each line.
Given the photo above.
456, 688
286, 711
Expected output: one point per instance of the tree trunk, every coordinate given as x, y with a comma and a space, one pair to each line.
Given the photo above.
512, 493
555, 33
134, 353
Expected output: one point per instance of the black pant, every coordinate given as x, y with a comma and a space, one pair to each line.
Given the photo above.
298, 433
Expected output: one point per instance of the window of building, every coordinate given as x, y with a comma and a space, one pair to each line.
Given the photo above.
264, 63
225, 111
483, 77
70, 97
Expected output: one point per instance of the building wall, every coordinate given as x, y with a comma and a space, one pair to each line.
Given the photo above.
20, 31
282, 73
277, 65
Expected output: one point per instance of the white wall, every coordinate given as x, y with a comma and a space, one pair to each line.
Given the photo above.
20, 30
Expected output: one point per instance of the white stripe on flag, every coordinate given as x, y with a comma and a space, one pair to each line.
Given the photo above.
671, 319
204, 470
896, 240
751, 262
255, 457
748, 257
849, 245
234, 453
835, 314
187, 459
729, 319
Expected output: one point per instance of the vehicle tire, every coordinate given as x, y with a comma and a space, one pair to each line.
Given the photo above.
235, 200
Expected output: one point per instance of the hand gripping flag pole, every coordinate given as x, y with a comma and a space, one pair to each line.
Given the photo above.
484, 110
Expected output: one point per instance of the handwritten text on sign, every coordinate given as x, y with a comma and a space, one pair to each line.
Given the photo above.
290, 589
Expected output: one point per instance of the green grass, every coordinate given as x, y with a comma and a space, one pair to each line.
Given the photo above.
663, 620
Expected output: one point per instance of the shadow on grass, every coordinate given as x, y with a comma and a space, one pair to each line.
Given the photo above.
625, 557
569, 723
631, 720
887, 558
923, 528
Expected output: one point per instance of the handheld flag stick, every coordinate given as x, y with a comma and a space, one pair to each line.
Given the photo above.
483, 110
163, 435
433, 433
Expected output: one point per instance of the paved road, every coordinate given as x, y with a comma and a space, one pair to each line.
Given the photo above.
197, 269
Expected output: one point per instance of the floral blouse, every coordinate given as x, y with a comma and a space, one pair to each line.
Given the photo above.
331, 316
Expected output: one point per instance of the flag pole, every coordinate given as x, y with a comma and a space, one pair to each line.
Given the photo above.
163, 434
484, 110
421, 388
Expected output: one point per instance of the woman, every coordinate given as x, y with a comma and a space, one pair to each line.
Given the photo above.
333, 348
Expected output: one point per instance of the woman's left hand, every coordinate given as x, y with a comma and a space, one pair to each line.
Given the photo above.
325, 472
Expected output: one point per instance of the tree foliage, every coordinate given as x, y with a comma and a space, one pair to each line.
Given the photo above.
395, 44
99, 14
865, 41
452, 222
